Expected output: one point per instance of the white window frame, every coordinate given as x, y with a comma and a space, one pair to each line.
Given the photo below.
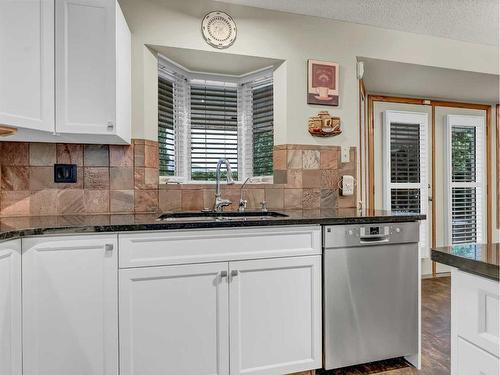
478, 123
183, 133
422, 119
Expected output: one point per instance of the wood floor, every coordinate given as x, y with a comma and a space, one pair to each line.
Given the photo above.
435, 337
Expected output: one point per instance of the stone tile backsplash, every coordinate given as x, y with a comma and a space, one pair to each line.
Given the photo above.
124, 179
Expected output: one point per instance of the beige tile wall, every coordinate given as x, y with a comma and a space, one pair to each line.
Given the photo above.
124, 179
305, 177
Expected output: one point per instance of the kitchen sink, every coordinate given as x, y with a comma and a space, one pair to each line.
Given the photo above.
211, 215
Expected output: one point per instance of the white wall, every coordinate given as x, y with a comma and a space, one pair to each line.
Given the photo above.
294, 38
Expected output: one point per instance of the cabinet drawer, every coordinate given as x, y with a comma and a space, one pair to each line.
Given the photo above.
477, 313
475, 361
212, 245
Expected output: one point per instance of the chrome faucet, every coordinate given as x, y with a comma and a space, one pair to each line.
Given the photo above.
219, 202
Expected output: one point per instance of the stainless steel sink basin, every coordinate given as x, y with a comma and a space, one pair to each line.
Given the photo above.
210, 215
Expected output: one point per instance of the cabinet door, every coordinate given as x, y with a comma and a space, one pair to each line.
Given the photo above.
27, 64
85, 66
10, 308
70, 305
174, 320
275, 315
475, 361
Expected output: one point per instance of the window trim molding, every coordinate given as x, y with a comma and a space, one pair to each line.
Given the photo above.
408, 117
477, 122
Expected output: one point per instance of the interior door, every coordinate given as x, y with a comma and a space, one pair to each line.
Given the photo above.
275, 315
27, 64
85, 66
174, 320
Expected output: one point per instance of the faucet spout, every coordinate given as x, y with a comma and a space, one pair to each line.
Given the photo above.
219, 202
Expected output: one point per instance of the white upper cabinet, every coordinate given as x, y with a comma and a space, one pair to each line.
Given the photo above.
27, 64
10, 308
65, 71
92, 55
70, 305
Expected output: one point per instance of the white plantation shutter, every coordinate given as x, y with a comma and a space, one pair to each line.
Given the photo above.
263, 126
173, 121
405, 172
166, 130
465, 155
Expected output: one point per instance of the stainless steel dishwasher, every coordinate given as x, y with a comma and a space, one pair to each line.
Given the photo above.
371, 283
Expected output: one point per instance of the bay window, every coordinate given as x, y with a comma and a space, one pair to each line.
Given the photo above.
205, 117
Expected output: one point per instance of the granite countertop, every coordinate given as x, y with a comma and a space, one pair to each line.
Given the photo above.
479, 259
15, 227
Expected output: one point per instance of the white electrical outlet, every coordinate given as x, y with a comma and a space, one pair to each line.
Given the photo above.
345, 154
347, 187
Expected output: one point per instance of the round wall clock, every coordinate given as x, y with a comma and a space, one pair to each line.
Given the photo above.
219, 29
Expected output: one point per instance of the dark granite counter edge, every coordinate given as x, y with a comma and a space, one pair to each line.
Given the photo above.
179, 225
475, 267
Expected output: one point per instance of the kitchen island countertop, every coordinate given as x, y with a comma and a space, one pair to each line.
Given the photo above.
479, 259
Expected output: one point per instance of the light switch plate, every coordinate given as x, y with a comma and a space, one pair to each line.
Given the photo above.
345, 154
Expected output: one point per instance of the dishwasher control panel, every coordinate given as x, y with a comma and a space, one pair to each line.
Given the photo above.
374, 231
335, 236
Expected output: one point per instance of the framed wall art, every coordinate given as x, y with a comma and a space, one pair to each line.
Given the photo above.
322, 83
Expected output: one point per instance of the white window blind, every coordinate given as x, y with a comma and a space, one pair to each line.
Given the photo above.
263, 127
166, 132
405, 166
465, 148
214, 128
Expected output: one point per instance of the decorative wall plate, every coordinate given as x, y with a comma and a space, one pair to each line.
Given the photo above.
219, 29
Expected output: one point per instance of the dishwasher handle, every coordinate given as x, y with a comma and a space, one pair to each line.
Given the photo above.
373, 239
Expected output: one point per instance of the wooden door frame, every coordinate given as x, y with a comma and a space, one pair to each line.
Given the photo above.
372, 99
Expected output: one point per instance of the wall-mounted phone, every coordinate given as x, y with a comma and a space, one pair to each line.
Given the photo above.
347, 185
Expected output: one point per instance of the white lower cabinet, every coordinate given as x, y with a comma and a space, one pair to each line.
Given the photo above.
10, 308
275, 315
242, 315
174, 320
67, 308
475, 361
475, 324
263, 317
70, 305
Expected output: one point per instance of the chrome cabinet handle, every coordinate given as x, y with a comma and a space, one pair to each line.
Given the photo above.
108, 247
223, 274
234, 273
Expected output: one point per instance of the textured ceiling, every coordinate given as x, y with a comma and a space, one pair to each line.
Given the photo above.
475, 21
